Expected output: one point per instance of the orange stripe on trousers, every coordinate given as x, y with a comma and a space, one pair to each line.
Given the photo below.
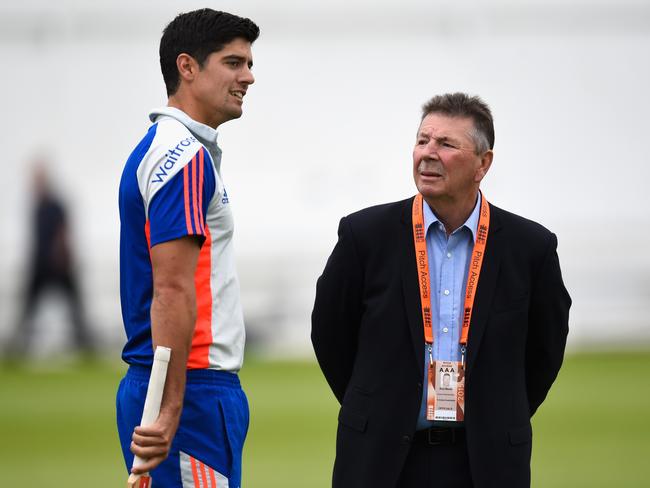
195, 473
204, 476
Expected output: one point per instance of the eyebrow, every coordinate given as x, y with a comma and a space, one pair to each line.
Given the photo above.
235, 57
440, 138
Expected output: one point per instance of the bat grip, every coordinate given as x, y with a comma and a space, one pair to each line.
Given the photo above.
154, 390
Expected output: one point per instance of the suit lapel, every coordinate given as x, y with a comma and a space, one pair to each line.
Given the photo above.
485, 290
410, 286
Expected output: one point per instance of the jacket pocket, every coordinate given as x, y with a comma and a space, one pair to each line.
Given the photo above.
521, 435
352, 419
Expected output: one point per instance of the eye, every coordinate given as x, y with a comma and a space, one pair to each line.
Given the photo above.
421, 142
449, 145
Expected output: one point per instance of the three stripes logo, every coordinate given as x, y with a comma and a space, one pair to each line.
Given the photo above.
196, 474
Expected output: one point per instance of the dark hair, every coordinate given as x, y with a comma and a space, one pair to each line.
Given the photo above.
463, 105
200, 33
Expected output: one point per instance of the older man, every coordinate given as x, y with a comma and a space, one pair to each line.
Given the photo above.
440, 284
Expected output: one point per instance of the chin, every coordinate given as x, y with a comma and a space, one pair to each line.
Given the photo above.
428, 191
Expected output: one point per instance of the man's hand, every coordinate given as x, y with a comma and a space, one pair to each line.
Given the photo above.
153, 443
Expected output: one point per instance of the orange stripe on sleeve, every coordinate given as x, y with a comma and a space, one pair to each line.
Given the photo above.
200, 190
194, 197
213, 479
186, 195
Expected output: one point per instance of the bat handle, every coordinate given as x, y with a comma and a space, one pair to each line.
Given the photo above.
138, 481
154, 395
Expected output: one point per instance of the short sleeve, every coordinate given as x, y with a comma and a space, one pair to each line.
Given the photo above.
179, 208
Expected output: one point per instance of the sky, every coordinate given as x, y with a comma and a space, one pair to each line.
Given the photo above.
328, 128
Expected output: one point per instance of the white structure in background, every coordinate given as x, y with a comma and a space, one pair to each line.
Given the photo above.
328, 128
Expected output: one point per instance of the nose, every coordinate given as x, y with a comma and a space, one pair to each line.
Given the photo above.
247, 76
430, 150
433, 146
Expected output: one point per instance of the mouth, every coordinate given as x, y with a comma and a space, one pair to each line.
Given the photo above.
430, 175
238, 94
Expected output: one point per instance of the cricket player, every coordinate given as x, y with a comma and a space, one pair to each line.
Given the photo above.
178, 282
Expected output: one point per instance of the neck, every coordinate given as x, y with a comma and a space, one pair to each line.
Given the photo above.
191, 108
453, 213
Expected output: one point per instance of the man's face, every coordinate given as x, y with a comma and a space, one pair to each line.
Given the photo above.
221, 83
445, 164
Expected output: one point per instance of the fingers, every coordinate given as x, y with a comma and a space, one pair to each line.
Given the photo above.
149, 440
148, 452
148, 465
151, 445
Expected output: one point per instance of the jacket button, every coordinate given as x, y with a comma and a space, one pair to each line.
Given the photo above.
406, 439
419, 384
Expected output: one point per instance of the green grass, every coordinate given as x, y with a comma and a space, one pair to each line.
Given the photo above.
57, 426
594, 428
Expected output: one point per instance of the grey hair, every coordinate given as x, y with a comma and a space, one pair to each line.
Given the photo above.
463, 105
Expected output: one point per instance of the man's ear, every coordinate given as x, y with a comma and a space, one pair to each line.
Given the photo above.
187, 67
486, 162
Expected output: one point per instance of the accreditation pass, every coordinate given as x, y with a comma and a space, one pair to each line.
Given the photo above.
446, 395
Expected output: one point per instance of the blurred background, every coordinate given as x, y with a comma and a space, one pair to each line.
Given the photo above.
328, 129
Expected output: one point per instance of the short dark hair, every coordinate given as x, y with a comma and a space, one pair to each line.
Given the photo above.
464, 105
200, 33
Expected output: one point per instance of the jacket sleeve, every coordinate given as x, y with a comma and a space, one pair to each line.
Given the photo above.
337, 312
548, 328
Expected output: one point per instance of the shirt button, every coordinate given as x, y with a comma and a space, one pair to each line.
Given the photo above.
449, 255
445, 329
446, 292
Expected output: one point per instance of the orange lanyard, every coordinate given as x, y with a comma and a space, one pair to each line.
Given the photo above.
422, 260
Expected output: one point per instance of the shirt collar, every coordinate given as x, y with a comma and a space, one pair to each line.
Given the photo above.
206, 134
471, 223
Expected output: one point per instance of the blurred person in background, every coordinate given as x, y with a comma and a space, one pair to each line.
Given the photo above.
442, 283
179, 286
51, 267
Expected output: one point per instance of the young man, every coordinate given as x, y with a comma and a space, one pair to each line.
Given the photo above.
440, 284
178, 282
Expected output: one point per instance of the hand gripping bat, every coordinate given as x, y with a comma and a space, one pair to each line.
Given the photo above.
151, 408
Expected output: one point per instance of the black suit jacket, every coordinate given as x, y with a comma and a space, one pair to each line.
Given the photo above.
368, 337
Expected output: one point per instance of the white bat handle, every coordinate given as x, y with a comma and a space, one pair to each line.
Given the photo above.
154, 390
